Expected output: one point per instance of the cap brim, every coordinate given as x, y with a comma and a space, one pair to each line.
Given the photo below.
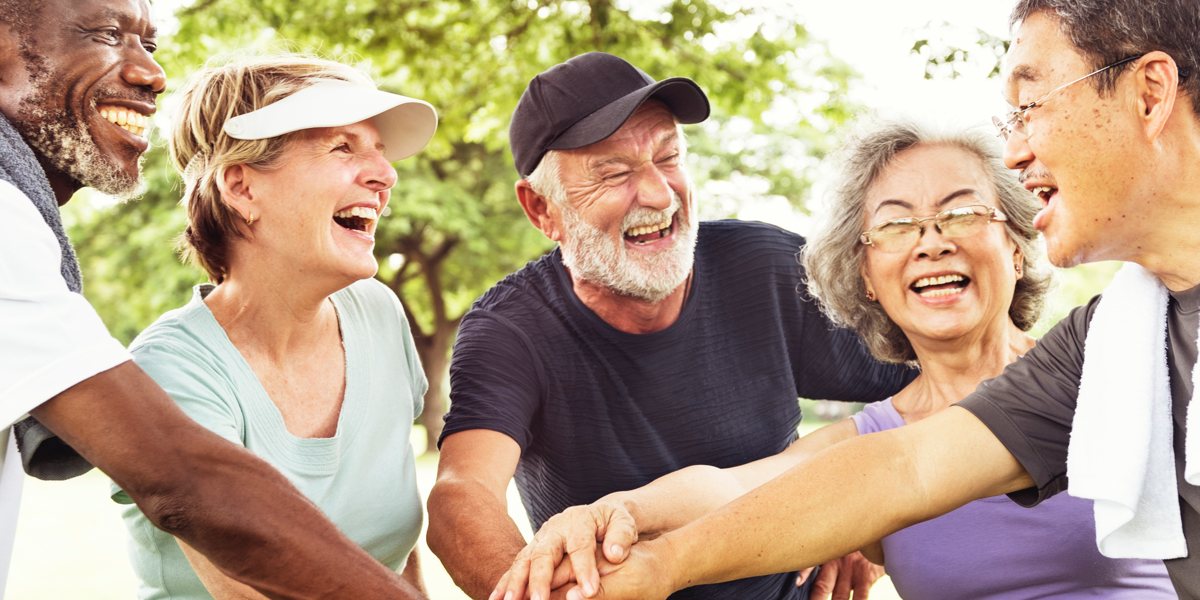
682, 96
405, 124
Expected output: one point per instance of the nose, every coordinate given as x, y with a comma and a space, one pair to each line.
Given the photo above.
144, 72
379, 175
932, 244
1017, 153
654, 189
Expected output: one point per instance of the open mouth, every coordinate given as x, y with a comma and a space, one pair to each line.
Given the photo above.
644, 234
1044, 193
356, 218
128, 119
940, 286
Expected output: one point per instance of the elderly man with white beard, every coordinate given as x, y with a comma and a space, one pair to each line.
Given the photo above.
647, 342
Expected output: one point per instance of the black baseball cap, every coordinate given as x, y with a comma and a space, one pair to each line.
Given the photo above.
585, 100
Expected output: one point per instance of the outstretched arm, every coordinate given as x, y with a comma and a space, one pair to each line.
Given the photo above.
805, 516
237, 510
469, 527
619, 519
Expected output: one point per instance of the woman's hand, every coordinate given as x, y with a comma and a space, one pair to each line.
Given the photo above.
571, 534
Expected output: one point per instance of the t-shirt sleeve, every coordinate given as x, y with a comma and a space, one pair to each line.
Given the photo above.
50, 337
1030, 407
494, 379
416, 373
200, 390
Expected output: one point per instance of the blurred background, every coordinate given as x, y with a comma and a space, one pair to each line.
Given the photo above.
786, 80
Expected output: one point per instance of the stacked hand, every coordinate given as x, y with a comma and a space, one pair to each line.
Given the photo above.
573, 547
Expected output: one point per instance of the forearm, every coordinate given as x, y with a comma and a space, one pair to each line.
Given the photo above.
232, 507
471, 533
842, 499
678, 498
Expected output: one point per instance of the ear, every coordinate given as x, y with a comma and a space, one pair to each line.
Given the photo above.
870, 289
234, 184
1157, 86
1018, 262
539, 210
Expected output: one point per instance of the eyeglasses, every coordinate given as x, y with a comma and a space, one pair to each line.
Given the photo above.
1016, 120
899, 235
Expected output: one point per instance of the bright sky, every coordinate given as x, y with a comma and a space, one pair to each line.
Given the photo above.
875, 37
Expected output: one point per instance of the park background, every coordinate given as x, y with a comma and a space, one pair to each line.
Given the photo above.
787, 79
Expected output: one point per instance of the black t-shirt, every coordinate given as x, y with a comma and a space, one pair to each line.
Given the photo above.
1031, 407
596, 410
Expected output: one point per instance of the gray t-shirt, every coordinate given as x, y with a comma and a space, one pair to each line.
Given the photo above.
1030, 408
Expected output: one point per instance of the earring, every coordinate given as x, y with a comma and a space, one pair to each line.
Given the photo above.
251, 219
871, 295
1018, 268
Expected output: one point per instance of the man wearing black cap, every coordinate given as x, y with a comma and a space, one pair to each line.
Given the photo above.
645, 343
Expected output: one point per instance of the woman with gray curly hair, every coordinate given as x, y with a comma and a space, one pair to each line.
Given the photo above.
928, 252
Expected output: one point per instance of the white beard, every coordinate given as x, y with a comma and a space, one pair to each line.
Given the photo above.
594, 256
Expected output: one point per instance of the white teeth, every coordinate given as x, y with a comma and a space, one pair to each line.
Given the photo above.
362, 212
645, 229
940, 293
129, 120
1044, 189
942, 279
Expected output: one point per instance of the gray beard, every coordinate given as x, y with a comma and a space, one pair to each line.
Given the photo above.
66, 144
592, 255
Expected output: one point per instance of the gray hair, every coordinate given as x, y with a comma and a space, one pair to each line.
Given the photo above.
1106, 31
833, 255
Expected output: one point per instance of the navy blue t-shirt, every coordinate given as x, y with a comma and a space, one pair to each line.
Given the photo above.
596, 410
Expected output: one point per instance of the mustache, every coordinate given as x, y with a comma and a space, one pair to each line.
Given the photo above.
648, 216
1041, 174
113, 93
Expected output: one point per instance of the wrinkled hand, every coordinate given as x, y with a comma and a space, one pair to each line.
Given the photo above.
838, 578
571, 534
642, 575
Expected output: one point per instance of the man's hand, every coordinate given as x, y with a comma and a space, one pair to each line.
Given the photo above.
644, 574
571, 534
841, 577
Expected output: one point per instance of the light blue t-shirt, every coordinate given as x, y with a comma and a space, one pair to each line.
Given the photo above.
363, 477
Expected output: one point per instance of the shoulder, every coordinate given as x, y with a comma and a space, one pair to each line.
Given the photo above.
732, 241
21, 223
527, 289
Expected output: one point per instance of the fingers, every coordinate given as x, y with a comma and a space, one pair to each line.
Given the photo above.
828, 577
843, 583
620, 534
802, 576
581, 550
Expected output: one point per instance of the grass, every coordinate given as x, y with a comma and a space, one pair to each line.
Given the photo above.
71, 543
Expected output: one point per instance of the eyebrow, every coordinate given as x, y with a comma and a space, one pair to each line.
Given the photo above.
124, 17
664, 139
940, 203
1025, 72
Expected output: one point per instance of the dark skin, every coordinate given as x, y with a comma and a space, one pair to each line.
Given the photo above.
220, 499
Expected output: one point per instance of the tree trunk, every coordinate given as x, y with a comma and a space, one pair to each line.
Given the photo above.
435, 359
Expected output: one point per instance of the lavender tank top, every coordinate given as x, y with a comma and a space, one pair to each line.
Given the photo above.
993, 548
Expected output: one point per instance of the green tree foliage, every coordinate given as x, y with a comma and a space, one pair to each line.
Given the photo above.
454, 226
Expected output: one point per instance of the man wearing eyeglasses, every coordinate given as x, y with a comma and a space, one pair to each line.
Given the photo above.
1107, 134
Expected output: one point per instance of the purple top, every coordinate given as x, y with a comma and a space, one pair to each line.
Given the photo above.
994, 548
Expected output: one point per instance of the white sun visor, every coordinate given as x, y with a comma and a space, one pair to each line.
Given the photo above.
405, 124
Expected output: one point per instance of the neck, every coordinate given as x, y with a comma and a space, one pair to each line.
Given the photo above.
255, 315
63, 185
631, 315
1166, 243
952, 369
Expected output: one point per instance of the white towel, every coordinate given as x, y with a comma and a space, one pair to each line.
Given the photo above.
1120, 454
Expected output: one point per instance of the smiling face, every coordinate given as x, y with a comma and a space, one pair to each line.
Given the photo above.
82, 89
626, 222
940, 288
317, 210
1080, 152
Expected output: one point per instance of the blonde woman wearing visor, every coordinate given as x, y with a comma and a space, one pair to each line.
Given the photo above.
293, 350
928, 252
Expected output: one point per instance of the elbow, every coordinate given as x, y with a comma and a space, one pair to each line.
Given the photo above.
439, 535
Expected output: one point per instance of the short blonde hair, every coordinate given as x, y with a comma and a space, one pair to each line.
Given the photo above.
833, 255
201, 151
